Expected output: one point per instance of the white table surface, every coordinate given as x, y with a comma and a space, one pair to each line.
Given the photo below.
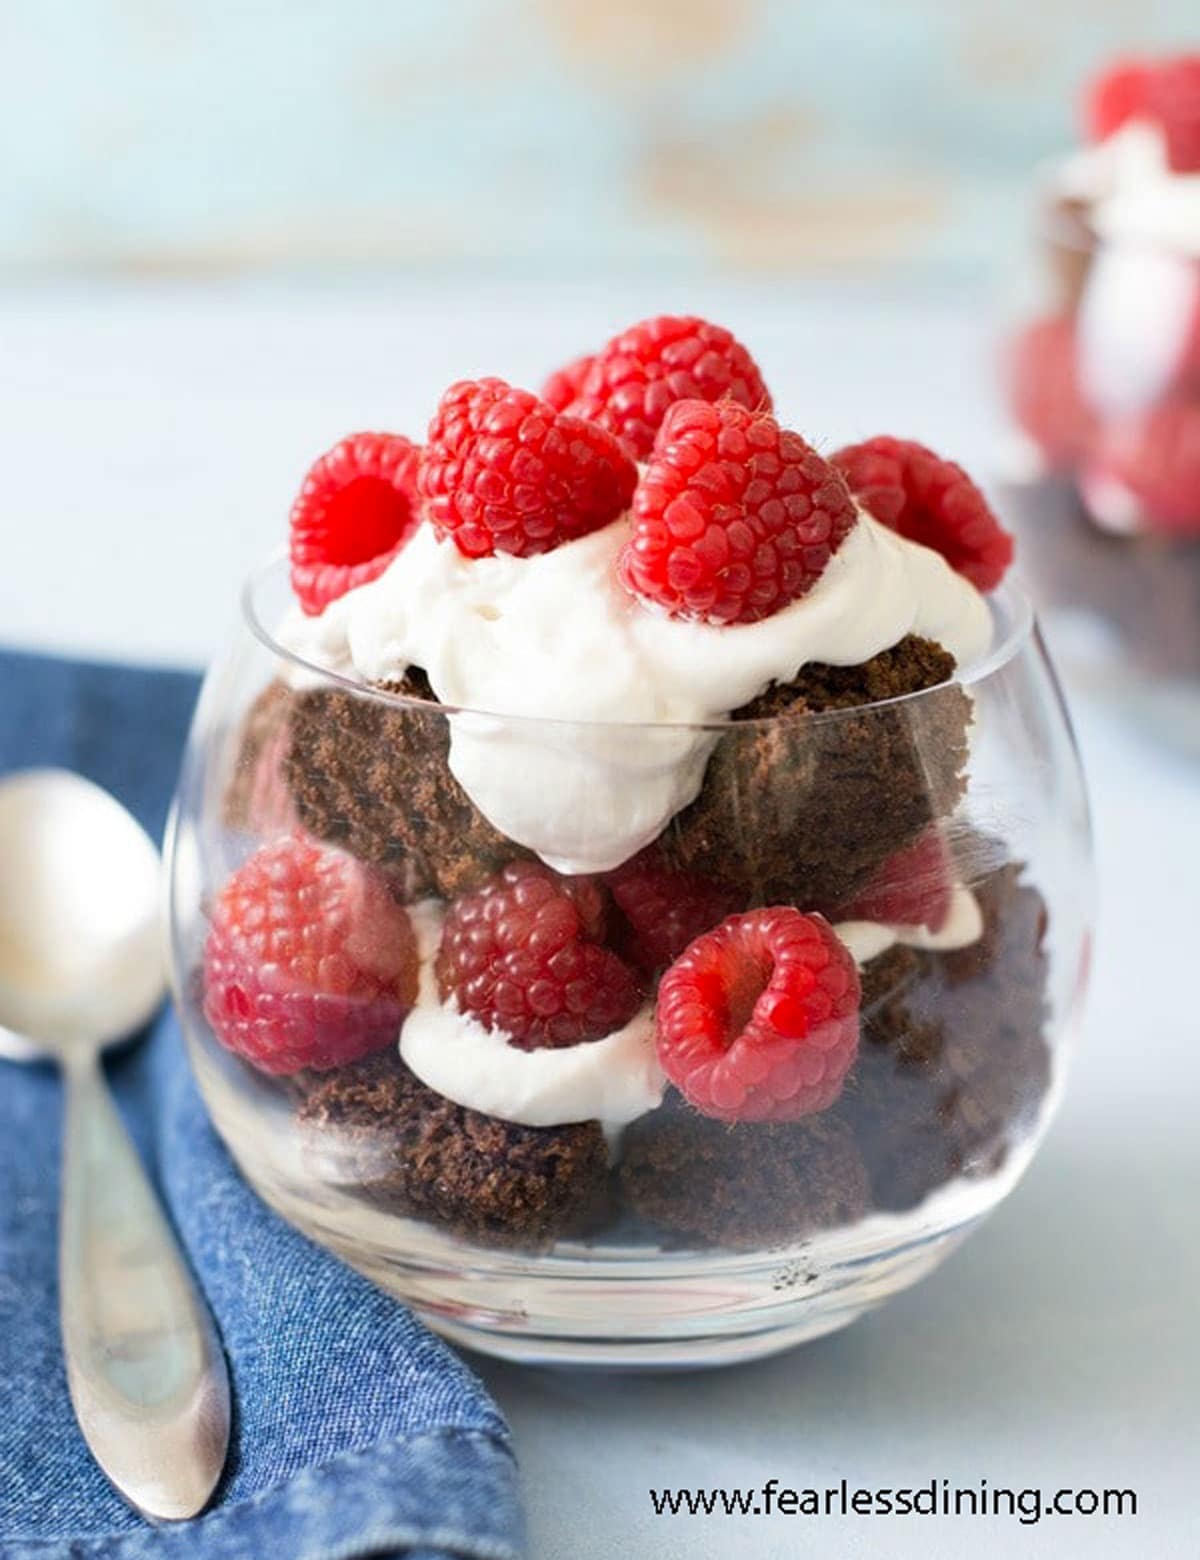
152, 439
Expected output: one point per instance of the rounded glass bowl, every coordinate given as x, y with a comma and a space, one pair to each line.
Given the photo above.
1102, 379
658, 1236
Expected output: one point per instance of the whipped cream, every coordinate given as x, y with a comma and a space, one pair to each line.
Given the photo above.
1134, 324
613, 1080
963, 926
607, 688
1134, 194
1143, 287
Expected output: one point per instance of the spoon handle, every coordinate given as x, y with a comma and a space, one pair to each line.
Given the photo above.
147, 1375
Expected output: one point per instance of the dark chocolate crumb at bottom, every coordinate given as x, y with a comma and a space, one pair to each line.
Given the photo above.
386, 1137
742, 1185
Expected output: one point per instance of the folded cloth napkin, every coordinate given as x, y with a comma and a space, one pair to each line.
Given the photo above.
356, 1432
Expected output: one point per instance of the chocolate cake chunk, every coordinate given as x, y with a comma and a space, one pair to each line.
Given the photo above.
385, 1136
373, 777
742, 1184
800, 810
952, 1059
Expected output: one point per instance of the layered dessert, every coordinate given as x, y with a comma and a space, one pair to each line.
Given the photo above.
1104, 379
603, 871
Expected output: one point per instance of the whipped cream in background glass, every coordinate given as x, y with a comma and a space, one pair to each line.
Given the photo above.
557, 639
1143, 285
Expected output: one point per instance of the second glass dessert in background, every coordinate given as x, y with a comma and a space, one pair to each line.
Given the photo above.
1103, 379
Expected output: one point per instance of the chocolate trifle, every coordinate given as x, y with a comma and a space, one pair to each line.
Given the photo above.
601, 873
1104, 378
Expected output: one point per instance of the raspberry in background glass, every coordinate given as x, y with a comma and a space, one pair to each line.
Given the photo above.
634, 864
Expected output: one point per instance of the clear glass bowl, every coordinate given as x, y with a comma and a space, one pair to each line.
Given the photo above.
1102, 378
681, 1239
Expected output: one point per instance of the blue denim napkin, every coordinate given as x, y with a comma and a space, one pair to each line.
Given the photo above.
356, 1432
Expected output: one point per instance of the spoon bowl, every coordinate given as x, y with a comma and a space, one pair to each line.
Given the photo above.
81, 963
81, 967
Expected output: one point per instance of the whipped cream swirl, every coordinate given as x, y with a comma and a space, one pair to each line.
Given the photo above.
609, 692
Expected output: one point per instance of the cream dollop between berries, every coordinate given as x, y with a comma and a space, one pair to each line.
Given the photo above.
613, 1080
556, 640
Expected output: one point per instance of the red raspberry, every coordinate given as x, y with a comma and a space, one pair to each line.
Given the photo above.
1165, 91
734, 516
913, 887
1113, 97
642, 372
1043, 375
665, 909
1185, 370
565, 383
1156, 458
1173, 99
356, 510
309, 960
758, 1020
929, 500
519, 954
505, 472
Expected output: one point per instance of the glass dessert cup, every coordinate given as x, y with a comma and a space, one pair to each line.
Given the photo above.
1102, 378
659, 1236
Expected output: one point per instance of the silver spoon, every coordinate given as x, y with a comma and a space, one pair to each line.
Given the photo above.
81, 966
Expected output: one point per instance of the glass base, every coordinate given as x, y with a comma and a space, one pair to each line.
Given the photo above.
639, 1355
626, 1308
614, 1303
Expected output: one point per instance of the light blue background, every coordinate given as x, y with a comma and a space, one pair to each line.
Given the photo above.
555, 135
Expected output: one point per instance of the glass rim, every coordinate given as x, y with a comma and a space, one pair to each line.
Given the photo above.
1010, 606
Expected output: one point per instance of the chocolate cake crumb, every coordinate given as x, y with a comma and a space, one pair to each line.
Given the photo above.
913, 665
399, 1144
743, 1184
373, 777
952, 1058
801, 811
